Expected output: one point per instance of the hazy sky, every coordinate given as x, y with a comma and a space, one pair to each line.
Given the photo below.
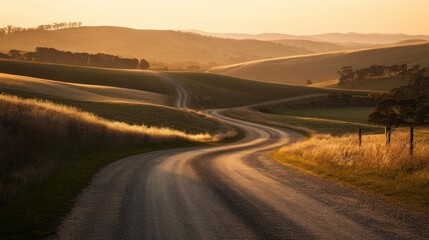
249, 16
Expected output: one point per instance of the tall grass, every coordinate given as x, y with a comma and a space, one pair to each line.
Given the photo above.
373, 153
389, 171
38, 136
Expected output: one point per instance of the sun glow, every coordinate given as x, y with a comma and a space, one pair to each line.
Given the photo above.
251, 16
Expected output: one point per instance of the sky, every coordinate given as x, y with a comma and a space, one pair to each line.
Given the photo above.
300, 17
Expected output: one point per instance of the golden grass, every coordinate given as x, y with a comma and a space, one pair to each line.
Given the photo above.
388, 171
15, 107
373, 153
77, 91
38, 136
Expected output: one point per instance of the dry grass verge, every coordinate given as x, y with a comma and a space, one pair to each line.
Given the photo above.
38, 136
49, 152
389, 171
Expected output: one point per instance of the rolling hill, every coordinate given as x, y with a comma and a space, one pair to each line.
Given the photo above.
323, 67
371, 38
314, 46
137, 80
217, 91
341, 38
153, 45
133, 97
81, 92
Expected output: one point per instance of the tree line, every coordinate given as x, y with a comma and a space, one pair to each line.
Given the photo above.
406, 105
55, 26
52, 55
348, 75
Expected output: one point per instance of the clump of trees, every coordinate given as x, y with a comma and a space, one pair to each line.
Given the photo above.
4, 55
348, 75
405, 106
55, 26
52, 55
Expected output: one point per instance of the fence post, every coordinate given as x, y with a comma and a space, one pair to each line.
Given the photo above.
387, 132
411, 141
360, 136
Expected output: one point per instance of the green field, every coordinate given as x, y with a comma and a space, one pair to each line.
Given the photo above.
207, 90
348, 114
383, 84
218, 91
334, 121
138, 80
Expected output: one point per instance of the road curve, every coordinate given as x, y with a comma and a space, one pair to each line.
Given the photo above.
182, 96
228, 192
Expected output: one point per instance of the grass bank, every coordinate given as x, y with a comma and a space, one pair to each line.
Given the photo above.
140, 114
388, 171
51, 151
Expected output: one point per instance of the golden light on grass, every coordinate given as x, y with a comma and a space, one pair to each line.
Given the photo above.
15, 107
388, 171
77, 91
373, 153
39, 136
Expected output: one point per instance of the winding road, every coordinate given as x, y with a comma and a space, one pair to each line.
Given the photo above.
234, 191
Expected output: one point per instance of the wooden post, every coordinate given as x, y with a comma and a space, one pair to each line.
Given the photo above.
411, 141
360, 136
387, 131
385, 134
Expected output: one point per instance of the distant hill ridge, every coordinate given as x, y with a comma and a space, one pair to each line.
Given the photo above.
323, 67
339, 38
155, 45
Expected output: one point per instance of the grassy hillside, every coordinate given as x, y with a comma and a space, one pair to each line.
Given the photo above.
140, 114
313, 46
371, 38
65, 130
312, 121
83, 92
323, 67
139, 80
348, 114
314, 115
53, 151
88, 89
217, 91
159, 45
382, 84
